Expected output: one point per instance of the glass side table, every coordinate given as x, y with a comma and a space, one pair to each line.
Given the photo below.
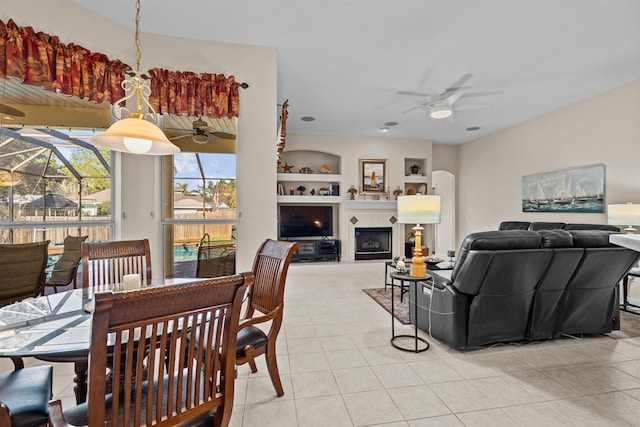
420, 344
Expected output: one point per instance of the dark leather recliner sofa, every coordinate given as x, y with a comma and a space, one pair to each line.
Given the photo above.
535, 226
523, 285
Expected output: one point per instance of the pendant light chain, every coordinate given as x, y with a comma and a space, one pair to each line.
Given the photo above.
138, 36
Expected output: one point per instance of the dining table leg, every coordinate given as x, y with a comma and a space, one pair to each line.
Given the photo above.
81, 368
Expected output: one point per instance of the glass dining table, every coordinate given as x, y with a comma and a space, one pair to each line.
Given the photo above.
55, 327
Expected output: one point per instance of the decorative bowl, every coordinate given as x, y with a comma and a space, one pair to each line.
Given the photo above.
431, 260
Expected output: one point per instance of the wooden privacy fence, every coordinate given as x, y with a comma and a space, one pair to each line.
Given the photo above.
182, 233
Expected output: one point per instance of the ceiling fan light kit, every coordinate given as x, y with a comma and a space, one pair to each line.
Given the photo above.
200, 138
440, 112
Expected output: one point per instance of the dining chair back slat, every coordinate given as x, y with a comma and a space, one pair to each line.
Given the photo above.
104, 264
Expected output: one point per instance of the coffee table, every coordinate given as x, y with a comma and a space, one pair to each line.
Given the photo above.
420, 344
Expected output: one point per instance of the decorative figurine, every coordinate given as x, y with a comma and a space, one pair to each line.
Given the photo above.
301, 190
286, 168
352, 192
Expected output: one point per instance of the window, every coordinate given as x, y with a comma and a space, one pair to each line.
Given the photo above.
53, 182
199, 203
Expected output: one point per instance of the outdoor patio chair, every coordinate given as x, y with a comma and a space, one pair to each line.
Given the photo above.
215, 260
191, 392
22, 271
66, 268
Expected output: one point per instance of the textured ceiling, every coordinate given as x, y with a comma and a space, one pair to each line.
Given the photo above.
349, 63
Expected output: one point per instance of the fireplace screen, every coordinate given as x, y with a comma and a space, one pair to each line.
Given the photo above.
373, 243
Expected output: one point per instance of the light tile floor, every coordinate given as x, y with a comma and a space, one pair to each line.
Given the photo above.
338, 369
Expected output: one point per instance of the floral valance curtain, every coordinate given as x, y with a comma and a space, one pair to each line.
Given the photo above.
193, 94
40, 59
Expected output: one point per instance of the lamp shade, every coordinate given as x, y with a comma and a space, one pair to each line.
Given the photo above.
419, 209
135, 135
623, 214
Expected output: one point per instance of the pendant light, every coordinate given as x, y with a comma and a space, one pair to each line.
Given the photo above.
135, 134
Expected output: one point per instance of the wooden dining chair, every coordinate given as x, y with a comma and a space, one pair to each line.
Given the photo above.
105, 263
157, 321
22, 270
265, 303
103, 266
64, 271
24, 396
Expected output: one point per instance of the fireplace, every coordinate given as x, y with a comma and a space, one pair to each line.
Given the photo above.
373, 243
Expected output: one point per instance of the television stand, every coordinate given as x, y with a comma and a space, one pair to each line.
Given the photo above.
317, 250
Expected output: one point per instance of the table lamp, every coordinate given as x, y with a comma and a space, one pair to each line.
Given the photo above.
418, 210
624, 214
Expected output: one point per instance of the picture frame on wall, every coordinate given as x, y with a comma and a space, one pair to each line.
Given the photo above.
373, 176
576, 190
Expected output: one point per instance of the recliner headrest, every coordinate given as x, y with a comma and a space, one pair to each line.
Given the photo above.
592, 227
503, 239
557, 238
536, 226
514, 225
591, 238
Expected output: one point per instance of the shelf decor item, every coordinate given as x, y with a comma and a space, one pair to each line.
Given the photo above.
352, 192
397, 192
373, 176
415, 169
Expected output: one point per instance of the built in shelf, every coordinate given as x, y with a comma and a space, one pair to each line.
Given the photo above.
309, 177
309, 199
371, 204
418, 179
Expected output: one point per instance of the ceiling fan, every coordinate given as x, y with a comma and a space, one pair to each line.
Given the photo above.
201, 132
441, 105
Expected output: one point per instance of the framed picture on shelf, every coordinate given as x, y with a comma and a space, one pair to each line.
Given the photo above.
373, 175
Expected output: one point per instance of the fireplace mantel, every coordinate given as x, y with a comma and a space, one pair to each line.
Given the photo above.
371, 204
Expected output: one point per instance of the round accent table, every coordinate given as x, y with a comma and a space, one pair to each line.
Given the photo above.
420, 344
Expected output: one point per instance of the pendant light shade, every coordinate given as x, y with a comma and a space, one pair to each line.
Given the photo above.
135, 135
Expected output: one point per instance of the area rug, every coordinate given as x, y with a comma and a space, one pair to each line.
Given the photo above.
383, 297
629, 322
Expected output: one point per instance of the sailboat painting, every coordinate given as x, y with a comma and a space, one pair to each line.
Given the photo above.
570, 190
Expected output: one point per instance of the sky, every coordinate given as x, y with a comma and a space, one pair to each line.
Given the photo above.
216, 166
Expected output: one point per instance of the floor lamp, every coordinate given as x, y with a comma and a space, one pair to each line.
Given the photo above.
418, 210
624, 214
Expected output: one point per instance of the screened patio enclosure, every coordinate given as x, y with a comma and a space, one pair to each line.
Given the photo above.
50, 180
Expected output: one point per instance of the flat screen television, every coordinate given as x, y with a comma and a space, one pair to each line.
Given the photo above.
306, 221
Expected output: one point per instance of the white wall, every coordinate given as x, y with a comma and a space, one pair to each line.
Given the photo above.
603, 129
256, 149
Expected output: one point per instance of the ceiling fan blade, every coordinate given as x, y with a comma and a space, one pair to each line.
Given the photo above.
455, 96
10, 111
417, 107
457, 86
224, 135
187, 135
478, 94
411, 93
